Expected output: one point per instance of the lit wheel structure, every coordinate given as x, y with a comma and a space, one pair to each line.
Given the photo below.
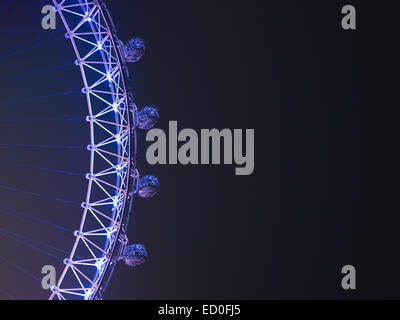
113, 178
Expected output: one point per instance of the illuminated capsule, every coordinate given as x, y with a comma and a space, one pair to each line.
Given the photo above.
148, 186
148, 117
134, 49
135, 255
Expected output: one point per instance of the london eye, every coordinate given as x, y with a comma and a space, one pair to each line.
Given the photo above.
98, 241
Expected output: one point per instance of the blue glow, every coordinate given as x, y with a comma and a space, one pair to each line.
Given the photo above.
115, 202
88, 294
118, 138
115, 107
109, 78
100, 264
87, 17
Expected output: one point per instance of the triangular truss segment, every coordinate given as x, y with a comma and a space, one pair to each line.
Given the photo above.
110, 125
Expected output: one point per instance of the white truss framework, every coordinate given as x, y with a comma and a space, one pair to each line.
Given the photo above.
110, 156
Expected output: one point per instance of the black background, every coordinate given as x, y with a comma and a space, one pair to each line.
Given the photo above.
323, 103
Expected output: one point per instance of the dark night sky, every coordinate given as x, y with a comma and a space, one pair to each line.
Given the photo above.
322, 103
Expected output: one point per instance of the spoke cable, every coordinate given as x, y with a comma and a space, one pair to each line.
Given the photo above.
41, 119
21, 23
7, 294
19, 268
25, 43
31, 48
18, 235
16, 164
39, 195
30, 245
40, 146
28, 216
16, 75
40, 97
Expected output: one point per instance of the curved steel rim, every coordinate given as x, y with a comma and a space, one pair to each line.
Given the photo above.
82, 283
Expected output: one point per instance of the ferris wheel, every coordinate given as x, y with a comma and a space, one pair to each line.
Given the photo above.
113, 179
112, 111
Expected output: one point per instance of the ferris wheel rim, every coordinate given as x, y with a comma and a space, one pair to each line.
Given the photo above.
125, 152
